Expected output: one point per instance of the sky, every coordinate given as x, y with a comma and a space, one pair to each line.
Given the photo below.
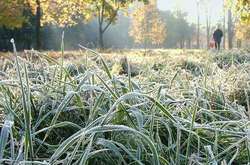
190, 6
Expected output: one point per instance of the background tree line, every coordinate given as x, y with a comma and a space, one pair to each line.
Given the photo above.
106, 23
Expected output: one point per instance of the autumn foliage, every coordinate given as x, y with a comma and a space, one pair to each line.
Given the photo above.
147, 26
243, 7
11, 13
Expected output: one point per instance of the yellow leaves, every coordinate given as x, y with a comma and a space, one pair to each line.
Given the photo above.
243, 31
242, 8
147, 25
87, 17
59, 12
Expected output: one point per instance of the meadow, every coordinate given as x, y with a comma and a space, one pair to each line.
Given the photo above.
125, 107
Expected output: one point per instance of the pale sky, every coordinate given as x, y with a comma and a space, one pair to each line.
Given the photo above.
189, 6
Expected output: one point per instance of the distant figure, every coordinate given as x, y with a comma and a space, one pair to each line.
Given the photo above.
218, 34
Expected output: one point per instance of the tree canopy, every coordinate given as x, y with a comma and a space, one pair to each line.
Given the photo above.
106, 12
242, 8
11, 13
147, 26
179, 31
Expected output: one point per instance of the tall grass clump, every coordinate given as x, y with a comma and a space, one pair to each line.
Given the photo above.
229, 58
55, 114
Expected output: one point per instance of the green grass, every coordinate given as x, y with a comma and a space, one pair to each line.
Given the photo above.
182, 108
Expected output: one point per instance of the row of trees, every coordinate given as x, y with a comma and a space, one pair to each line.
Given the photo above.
27, 19
63, 13
152, 28
147, 28
235, 21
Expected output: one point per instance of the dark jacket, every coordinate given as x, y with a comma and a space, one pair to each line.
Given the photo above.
218, 34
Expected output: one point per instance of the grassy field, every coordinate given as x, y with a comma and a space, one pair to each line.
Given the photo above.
125, 107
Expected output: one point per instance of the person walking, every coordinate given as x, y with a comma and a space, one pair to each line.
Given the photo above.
218, 34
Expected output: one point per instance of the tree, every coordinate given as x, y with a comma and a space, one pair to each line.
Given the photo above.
224, 25
183, 29
179, 32
241, 8
147, 26
14, 22
206, 5
242, 33
230, 29
35, 6
11, 13
198, 23
106, 12
59, 12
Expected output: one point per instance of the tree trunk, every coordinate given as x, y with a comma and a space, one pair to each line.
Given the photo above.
181, 44
239, 43
198, 25
189, 44
102, 27
224, 26
230, 31
208, 30
38, 25
101, 42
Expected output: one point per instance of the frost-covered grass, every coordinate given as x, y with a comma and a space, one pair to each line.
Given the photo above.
181, 107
